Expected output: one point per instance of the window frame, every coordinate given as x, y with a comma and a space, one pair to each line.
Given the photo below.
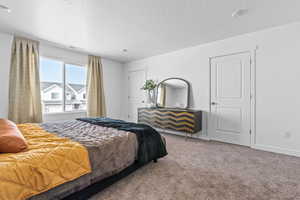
64, 63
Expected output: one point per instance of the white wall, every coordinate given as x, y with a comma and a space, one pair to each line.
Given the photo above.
112, 72
5, 52
113, 87
277, 80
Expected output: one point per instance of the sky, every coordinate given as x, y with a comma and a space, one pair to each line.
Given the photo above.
52, 71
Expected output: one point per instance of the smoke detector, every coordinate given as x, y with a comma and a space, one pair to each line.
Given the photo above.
5, 8
239, 12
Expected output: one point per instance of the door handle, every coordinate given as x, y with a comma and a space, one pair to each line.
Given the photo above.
213, 103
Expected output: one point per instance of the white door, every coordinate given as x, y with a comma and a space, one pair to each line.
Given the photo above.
136, 96
230, 99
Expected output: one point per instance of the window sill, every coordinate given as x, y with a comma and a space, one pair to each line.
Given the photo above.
66, 113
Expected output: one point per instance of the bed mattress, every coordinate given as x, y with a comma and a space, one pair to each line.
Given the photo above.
110, 151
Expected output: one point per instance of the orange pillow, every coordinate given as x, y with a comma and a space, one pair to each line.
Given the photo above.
11, 139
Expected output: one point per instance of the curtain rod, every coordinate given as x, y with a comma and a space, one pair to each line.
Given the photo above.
55, 44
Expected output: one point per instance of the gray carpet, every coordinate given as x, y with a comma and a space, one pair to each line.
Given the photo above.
199, 170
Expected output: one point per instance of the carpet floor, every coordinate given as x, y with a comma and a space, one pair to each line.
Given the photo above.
201, 170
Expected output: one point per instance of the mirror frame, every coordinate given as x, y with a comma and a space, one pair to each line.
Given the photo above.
188, 93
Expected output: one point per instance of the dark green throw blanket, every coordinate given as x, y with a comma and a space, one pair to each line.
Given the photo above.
150, 144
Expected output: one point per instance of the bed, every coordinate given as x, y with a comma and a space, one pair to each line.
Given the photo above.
115, 149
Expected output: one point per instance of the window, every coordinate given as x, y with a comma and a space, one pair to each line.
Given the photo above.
54, 95
75, 83
63, 86
51, 75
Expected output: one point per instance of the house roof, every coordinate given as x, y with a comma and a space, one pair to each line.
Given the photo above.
46, 85
75, 87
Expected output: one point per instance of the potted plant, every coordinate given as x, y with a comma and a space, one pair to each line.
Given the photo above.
149, 87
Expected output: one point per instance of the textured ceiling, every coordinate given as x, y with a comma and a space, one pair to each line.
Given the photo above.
144, 27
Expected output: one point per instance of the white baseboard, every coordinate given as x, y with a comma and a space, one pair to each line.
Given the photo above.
276, 150
203, 136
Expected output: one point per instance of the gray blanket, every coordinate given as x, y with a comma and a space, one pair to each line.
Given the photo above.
110, 151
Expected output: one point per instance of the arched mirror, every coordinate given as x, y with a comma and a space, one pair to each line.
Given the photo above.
173, 93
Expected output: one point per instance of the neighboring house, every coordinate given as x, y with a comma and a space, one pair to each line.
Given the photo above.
52, 97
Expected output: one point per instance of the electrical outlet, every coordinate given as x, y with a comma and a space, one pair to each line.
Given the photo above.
287, 135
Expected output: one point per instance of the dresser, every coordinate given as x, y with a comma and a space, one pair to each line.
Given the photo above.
183, 120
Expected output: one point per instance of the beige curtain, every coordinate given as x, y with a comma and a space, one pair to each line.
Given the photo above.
95, 91
24, 84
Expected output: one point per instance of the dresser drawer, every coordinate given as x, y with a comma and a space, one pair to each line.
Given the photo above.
178, 120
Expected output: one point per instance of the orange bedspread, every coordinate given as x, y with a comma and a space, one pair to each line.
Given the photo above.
48, 162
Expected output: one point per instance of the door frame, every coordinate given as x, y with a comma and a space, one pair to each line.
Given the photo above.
130, 70
252, 54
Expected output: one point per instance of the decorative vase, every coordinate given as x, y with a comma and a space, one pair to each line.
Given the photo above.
150, 98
